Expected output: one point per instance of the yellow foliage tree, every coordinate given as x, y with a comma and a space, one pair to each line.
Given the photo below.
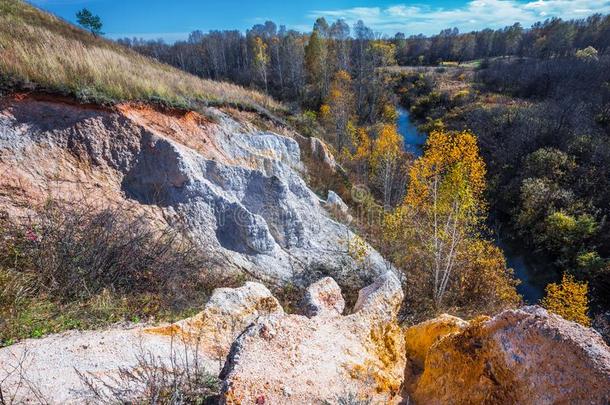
442, 215
384, 158
339, 108
261, 59
483, 281
568, 299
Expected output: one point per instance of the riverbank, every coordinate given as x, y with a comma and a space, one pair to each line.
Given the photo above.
533, 276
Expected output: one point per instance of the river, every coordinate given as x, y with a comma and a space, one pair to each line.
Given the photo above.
533, 277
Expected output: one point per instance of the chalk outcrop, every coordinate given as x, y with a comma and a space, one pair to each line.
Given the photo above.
261, 353
237, 190
51, 365
293, 359
525, 356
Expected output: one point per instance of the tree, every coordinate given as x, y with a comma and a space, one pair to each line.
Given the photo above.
385, 159
91, 22
316, 53
443, 210
339, 108
261, 59
589, 54
568, 300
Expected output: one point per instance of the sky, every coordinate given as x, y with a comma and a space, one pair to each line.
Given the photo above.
174, 20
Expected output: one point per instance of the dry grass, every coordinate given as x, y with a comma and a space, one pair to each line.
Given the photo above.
41, 51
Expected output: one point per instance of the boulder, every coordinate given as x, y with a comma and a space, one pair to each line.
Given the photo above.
335, 202
524, 356
320, 152
51, 365
228, 312
323, 298
292, 359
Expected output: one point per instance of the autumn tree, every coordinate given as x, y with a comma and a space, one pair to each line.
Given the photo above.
439, 224
261, 59
568, 299
446, 191
385, 160
338, 110
363, 148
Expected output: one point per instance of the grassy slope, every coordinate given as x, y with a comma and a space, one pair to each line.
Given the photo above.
41, 51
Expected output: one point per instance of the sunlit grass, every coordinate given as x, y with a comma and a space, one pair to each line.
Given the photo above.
40, 51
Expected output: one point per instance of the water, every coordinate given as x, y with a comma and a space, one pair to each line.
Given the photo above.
534, 278
413, 139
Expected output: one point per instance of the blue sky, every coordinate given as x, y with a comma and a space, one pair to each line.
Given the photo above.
172, 20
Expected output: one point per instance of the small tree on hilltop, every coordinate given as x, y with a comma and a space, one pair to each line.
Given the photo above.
91, 22
568, 299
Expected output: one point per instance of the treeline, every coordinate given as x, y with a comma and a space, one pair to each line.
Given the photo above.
294, 67
298, 67
551, 38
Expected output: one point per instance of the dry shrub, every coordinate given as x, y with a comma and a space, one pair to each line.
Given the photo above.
77, 251
180, 380
81, 266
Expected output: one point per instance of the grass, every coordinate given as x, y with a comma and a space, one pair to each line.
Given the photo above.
39, 51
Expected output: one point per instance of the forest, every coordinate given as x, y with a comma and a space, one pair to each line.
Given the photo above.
533, 102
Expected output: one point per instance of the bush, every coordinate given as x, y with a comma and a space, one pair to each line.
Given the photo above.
568, 299
81, 266
181, 380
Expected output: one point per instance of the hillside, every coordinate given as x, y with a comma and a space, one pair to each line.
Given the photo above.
39, 51
166, 239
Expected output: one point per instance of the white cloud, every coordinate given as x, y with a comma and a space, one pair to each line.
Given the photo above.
474, 15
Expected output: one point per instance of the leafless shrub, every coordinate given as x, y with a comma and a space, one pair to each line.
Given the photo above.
180, 380
14, 383
77, 251
85, 266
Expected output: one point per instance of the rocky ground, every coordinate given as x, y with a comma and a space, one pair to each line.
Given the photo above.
263, 355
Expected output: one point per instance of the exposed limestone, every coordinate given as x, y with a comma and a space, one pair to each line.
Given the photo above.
525, 356
292, 359
323, 298
320, 151
421, 337
238, 191
50, 364
228, 312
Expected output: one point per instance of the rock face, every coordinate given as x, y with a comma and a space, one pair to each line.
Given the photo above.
238, 191
292, 359
323, 298
524, 356
50, 365
286, 358
264, 355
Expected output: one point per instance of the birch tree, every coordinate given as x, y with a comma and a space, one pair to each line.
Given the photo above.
444, 206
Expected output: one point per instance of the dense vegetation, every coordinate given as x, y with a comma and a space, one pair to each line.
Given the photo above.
543, 127
291, 66
553, 37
